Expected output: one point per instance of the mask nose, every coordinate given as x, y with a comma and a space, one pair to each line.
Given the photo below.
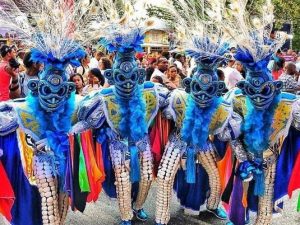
258, 99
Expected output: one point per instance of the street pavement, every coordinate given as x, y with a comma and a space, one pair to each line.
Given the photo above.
105, 212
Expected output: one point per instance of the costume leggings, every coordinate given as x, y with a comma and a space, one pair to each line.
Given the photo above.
166, 175
123, 183
54, 204
265, 205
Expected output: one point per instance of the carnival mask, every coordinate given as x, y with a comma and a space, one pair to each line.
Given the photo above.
260, 88
125, 75
204, 87
53, 91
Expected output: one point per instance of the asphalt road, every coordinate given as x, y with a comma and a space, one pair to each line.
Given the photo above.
105, 212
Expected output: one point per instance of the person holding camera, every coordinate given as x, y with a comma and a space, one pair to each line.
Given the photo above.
20, 90
9, 72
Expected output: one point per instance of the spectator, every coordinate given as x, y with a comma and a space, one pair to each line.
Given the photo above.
96, 81
84, 68
179, 62
239, 67
230, 60
105, 64
20, 56
150, 69
166, 55
289, 56
77, 79
8, 73
290, 78
232, 76
174, 79
278, 67
221, 75
161, 68
94, 63
31, 72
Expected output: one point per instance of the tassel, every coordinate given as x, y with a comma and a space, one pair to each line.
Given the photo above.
259, 188
190, 166
135, 174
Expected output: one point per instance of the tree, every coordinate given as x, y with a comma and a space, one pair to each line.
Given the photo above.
284, 11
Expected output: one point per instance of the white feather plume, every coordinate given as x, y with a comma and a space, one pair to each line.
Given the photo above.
252, 32
52, 25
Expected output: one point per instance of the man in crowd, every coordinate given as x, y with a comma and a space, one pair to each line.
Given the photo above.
8, 71
290, 78
94, 63
161, 67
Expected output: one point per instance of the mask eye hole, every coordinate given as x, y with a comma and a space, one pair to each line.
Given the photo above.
196, 87
266, 90
251, 91
61, 91
210, 90
46, 90
134, 77
121, 77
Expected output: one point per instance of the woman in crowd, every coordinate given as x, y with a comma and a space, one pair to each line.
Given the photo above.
84, 68
174, 80
105, 64
96, 81
79, 83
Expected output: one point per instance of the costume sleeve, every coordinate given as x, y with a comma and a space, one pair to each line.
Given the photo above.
8, 119
296, 114
233, 129
90, 113
239, 150
163, 94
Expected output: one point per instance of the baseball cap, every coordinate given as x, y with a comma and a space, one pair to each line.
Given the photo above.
4, 50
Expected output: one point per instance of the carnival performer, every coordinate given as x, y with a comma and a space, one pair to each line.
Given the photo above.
125, 111
268, 115
35, 131
201, 117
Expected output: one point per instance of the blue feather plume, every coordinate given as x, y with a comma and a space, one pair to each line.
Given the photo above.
128, 42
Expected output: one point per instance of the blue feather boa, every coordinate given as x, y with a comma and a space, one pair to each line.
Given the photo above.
257, 126
195, 129
54, 126
133, 116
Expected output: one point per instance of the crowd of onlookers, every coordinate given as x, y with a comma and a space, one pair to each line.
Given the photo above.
168, 69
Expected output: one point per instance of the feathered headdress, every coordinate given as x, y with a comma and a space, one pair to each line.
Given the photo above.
124, 27
252, 33
202, 40
52, 28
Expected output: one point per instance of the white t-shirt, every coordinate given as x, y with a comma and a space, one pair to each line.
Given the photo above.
179, 65
232, 76
94, 63
157, 72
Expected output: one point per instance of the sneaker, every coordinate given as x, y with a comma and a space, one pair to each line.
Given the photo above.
124, 222
140, 214
219, 213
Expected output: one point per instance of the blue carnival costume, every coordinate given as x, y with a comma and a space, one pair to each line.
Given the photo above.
200, 115
35, 130
125, 112
268, 115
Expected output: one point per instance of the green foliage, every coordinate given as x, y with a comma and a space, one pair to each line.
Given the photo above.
285, 11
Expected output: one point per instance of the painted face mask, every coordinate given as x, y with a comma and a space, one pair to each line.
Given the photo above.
125, 74
260, 88
204, 86
52, 89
